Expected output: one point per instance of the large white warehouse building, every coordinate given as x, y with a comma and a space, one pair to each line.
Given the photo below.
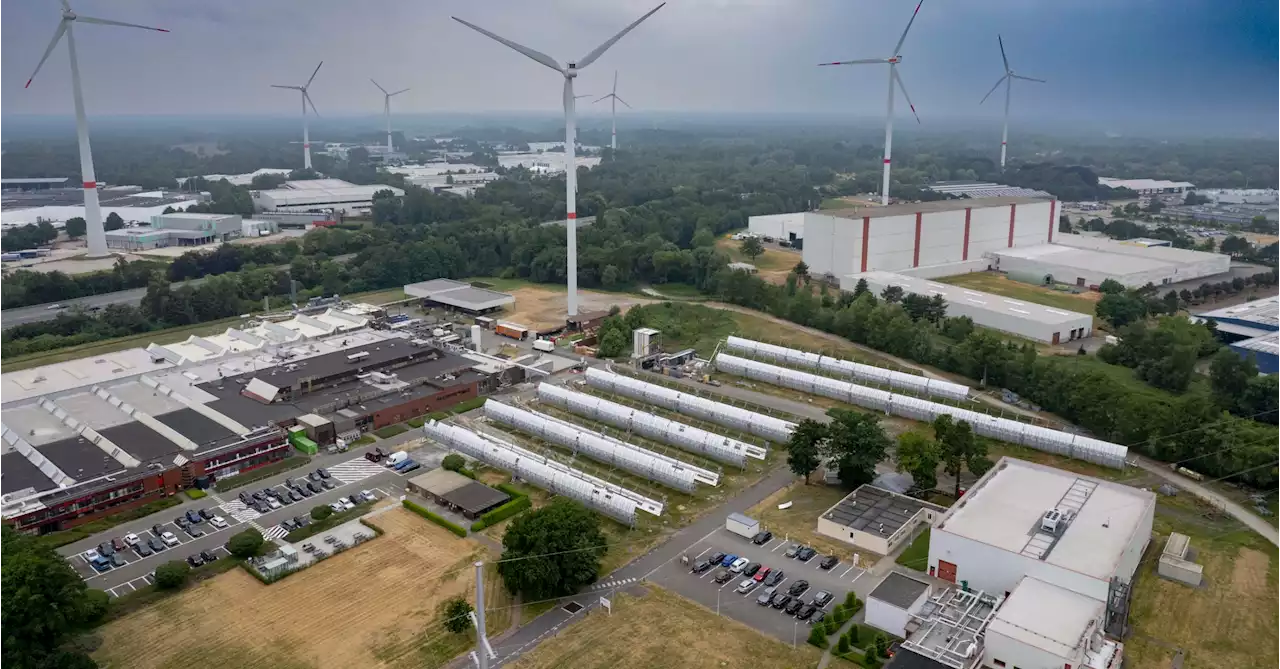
1088, 261
319, 195
788, 227
1025, 319
1027, 520
904, 236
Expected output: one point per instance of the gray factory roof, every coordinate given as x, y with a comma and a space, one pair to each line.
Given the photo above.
459, 294
931, 207
1267, 343
32, 181
899, 590
1264, 313
1086, 259
875, 510
956, 294
332, 364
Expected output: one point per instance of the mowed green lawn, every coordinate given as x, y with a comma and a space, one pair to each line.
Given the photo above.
999, 284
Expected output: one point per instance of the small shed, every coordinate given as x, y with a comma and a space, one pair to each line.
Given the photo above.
1177, 562
890, 605
457, 492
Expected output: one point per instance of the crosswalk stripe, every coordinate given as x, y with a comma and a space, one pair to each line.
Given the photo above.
354, 470
276, 532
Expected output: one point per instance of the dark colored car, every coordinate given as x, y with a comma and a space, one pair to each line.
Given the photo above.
702, 566
328, 485
194, 517
413, 466
798, 588
195, 560
313, 486
181, 522
775, 577
806, 612
806, 554
246, 498
829, 562
762, 538
313, 476
723, 576
208, 556
207, 514
260, 495
106, 549
195, 531
324, 473
157, 530
288, 524
118, 544
764, 598
301, 521
155, 544
305, 491
751, 569
821, 598
295, 495
780, 599
354, 499
793, 607
117, 561
818, 617
142, 548
716, 558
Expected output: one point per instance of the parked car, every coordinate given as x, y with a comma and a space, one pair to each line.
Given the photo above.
261, 507
798, 588
206, 514
751, 569
155, 544
313, 487
295, 495
101, 564
195, 560
765, 597
117, 561
775, 577
105, 549
288, 524
218, 522
793, 550
313, 476
347, 505
195, 531
91, 555
143, 549
762, 574
283, 498
55, 307
806, 554
157, 529
337, 507
723, 576
290, 482
728, 560
806, 612
169, 539
208, 556
738, 565
747, 585
818, 617
324, 473
246, 498
274, 503
131, 539
780, 600
181, 522
793, 607
118, 544
762, 538
301, 521
328, 484
354, 499
413, 465
260, 495
367, 495
820, 598
716, 558
194, 517
702, 566
829, 562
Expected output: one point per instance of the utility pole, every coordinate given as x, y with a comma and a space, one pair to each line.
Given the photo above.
483, 650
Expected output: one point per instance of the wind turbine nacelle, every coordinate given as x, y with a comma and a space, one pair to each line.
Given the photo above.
896, 59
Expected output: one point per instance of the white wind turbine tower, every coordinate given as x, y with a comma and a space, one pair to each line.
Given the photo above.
386, 109
306, 132
570, 71
894, 78
613, 99
1007, 80
97, 236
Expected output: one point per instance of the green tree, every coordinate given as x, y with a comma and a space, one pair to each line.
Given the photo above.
456, 615
45, 601
552, 551
804, 451
959, 448
1236, 247
853, 634
613, 343
801, 270
855, 444
76, 227
892, 294
321, 512
113, 222
703, 237
752, 248
246, 544
919, 456
1229, 376
610, 277
860, 288
1111, 287
842, 646
453, 462
1120, 309
818, 636
172, 575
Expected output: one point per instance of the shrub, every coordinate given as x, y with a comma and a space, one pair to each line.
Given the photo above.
321, 512
196, 493
818, 636
453, 462
511, 490
880, 646
456, 619
416, 422
857, 606
435, 518
842, 646
172, 575
850, 599
506, 511
391, 431
832, 626
95, 604
246, 544
853, 634
477, 526
871, 662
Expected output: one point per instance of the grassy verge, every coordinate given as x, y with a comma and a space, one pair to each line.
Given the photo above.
331, 522
90, 349
796, 523
916, 555
91, 528
265, 471
391, 431
364, 440
378, 296
195, 493
999, 284
146, 596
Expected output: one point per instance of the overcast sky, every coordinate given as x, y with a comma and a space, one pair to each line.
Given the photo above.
1122, 61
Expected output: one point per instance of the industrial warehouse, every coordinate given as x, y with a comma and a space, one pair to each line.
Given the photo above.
1251, 329
317, 195
1088, 261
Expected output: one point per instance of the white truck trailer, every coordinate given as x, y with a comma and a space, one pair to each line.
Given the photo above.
741, 525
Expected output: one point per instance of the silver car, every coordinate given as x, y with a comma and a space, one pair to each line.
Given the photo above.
747, 585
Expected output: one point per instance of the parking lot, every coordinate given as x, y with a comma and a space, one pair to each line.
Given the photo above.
131, 556
726, 598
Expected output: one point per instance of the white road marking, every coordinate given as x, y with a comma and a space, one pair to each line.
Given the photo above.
780, 545
354, 470
704, 552
860, 575
276, 532
846, 571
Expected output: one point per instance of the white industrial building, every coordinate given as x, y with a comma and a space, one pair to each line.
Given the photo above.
1025, 319
789, 227
1079, 533
925, 234
877, 520
319, 195
1088, 261
977, 189
177, 229
1043, 626
890, 605
1147, 186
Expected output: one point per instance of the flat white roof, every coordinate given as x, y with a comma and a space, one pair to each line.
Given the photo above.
1045, 616
1264, 312
1019, 309
1004, 508
1085, 259
64, 376
1142, 184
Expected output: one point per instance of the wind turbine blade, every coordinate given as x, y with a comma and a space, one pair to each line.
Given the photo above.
66, 5
313, 75
898, 78
615, 82
1019, 76
863, 61
57, 35
898, 49
602, 98
599, 51
292, 88
622, 101
80, 18
398, 92
535, 55
993, 89
313, 105
1002, 56
384, 91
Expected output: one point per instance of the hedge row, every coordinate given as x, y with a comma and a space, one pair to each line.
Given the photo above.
64, 537
519, 502
195, 493
435, 518
332, 521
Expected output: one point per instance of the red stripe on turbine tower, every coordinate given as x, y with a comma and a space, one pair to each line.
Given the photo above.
1053, 209
915, 255
886, 161
572, 214
1013, 210
90, 184
968, 211
866, 232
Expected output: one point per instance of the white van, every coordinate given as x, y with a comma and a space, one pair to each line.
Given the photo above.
396, 458
544, 345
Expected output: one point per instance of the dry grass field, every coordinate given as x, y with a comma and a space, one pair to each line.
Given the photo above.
540, 307
799, 523
773, 266
372, 606
662, 631
999, 284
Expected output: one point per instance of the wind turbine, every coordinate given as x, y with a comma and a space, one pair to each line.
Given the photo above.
570, 71
613, 99
1007, 80
97, 236
894, 78
386, 109
306, 99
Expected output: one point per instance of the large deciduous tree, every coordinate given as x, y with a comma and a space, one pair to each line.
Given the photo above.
552, 551
919, 456
44, 603
804, 451
752, 248
855, 444
76, 227
959, 448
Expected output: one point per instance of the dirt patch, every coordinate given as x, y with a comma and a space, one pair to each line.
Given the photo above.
773, 265
799, 522
372, 606
661, 630
542, 308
